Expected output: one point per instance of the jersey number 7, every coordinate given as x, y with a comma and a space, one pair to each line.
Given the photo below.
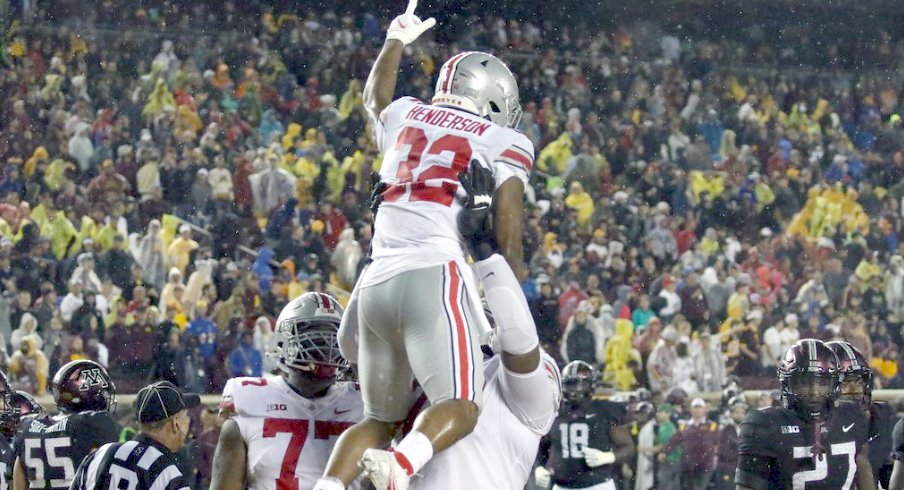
411, 176
299, 429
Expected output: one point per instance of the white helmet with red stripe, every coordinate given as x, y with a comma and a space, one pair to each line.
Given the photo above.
306, 335
480, 83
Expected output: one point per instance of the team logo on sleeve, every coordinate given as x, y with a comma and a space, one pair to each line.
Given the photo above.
92, 377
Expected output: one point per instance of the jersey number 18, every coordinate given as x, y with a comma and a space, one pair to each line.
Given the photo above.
575, 437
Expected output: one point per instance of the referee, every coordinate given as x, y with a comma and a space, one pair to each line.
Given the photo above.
147, 462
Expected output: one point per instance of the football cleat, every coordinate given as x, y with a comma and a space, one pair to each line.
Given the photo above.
384, 470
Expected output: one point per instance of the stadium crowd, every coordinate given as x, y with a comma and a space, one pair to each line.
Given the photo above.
670, 199
162, 198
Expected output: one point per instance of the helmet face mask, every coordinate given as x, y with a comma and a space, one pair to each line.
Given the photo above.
578, 381
306, 336
18, 404
810, 379
854, 388
856, 375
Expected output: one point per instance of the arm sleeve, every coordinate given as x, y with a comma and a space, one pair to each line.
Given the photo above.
753, 471
757, 454
533, 397
515, 330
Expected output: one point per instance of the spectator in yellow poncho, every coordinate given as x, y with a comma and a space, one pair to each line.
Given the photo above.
620, 354
180, 250
40, 153
554, 157
711, 183
868, 268
350, 101
159, 100
56, 173
292, 132
579, 200
60, 231
187, 120
310, 139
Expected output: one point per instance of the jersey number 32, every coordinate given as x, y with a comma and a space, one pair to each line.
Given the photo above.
416, 168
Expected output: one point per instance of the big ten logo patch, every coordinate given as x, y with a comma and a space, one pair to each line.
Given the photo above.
273, 407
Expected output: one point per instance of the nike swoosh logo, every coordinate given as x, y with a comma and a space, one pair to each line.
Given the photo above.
590, 416
337, 412
847, 428
488, 275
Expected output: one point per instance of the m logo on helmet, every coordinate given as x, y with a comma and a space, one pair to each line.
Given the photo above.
92, 377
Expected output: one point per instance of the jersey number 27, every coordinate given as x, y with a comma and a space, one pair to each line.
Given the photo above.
411, 175
821, 469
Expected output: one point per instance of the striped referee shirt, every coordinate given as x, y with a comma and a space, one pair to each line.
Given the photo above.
141, 463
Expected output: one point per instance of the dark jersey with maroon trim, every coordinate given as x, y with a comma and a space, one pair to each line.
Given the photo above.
51, 448
882, 425
777, 449
578, 426
7, 460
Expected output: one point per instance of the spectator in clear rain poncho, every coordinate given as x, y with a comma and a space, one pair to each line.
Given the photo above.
149, 254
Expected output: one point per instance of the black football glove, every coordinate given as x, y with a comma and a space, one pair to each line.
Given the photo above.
376, 195
475, 220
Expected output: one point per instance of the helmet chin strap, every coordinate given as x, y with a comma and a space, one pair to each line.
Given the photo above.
320, 370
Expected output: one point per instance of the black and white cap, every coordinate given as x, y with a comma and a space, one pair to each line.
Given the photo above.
162, 400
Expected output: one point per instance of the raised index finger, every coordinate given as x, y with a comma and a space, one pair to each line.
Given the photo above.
412, 4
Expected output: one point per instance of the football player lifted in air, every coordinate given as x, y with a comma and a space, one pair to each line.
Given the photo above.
812, 441
281, 430
418, 309
857, 387
50, 449
588, 439
522, 390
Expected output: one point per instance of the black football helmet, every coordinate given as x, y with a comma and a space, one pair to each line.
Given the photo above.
82, 386
18, 405
854, 368
810, 379
578, 381
306, 335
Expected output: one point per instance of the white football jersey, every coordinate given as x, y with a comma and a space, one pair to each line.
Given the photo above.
288, 437
424, 148
500, 452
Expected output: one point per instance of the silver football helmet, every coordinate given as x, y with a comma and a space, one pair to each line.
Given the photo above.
306, 335
480, 83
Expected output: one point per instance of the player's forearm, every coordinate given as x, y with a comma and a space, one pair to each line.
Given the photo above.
508, 222
229, 459
865, 479
19, 481
381, 82
624, 448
